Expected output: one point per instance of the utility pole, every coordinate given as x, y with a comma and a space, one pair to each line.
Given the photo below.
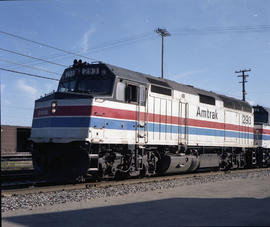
244, 81
163, 33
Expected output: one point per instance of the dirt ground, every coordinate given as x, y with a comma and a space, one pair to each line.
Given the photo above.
236, 202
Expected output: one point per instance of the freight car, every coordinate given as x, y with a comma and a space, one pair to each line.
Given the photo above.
108, 121
14, 140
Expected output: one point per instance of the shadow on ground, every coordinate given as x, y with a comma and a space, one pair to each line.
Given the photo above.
167, 212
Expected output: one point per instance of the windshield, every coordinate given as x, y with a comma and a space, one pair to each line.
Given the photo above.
67, 86
89, 80
96, 85
68, 80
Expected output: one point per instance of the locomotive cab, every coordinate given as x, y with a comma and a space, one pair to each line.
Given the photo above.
63, 120
84, 78
74, 125
71, 106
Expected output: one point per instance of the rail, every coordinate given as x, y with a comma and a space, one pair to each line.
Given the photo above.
16, 162
16, 157
39, 185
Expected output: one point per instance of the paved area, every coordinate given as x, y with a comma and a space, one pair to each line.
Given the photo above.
236, 202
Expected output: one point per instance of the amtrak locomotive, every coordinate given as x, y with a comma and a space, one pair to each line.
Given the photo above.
106, 121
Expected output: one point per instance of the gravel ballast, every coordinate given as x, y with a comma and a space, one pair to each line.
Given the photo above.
31, 201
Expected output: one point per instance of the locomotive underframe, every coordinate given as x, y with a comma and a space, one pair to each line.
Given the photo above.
78, 159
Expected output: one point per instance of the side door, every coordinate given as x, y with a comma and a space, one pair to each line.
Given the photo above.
142, 116
136, 95
182, 123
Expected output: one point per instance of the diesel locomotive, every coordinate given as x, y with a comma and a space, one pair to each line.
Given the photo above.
105, 121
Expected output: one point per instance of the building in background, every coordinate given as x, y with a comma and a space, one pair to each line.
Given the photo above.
14, 139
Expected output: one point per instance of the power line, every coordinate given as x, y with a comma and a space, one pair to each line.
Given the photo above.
244, 81
28, 56
46, 45
29, 74
144, 36
224, 29
35, 62
120, 42
12, 0
100, 47
221, 30
111, 45
259, 92
28, 66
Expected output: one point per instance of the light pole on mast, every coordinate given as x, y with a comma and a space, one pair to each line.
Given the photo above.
163, 33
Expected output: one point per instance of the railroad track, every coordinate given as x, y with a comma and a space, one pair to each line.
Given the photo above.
15, 163
17, 179
16, 157
16, 171
38, 186
11, 175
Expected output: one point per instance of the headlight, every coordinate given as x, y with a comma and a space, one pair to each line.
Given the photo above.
53, 104
53, 107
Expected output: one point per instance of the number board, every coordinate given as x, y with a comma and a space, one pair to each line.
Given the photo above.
90, 71
246, 119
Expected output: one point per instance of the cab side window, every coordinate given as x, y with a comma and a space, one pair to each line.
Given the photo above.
142, 94
132, 93
120, 91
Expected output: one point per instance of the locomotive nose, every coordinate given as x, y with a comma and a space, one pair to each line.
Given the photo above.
61, 120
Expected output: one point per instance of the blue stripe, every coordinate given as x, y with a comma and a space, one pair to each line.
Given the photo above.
61, 122
131, 125
263, 137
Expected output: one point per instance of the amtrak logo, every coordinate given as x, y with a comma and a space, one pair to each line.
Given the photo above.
207, 113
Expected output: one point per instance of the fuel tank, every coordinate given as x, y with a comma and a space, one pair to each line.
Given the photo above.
178, 163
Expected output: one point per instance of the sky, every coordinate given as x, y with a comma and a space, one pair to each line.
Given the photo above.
210, 40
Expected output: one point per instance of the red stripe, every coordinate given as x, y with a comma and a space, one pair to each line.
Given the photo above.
63, 111
113, 113
42, 112
266, 131
133, 115
262, 131
218, 125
